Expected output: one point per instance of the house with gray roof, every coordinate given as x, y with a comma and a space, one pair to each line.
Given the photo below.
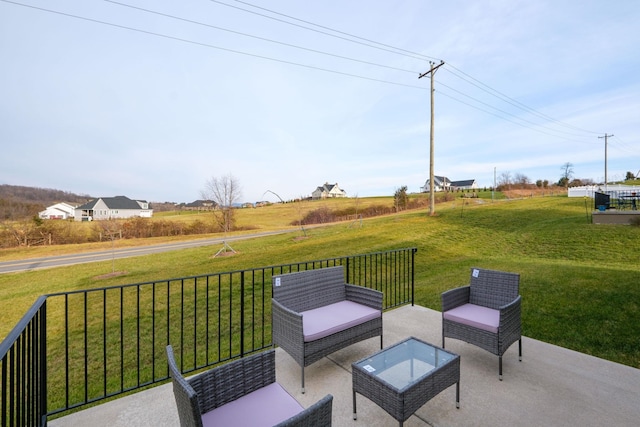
118, 207
327, 191
442, 183
466, 184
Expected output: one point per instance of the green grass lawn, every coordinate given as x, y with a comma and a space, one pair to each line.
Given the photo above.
579, 281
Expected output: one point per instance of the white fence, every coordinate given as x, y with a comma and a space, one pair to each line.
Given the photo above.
588, 190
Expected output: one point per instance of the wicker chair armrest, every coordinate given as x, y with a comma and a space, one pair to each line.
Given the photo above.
318, 414
287, 330
365, 296
233, 380
455, 297
284, 317
510, 313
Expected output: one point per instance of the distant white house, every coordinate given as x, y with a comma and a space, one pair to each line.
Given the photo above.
113, 208
466, 184
58, 211
442, 183
328, 191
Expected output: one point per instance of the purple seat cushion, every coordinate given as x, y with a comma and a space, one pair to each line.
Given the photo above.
266, 406
324, 321
477, 316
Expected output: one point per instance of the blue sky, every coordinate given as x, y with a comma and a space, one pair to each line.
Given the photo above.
104, 98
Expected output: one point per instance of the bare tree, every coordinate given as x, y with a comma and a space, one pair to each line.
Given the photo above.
567, 174
300, 205
505, 180
110, 228
225, 191
358, 216
521, 179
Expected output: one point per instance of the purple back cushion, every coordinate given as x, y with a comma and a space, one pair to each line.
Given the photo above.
324, 321
477, 316
266, 406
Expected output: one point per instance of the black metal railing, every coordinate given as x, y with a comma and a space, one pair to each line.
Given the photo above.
75, 348
23, 370
617, 199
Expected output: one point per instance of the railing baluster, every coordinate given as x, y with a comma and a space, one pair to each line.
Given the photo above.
66, 350
138, 336
104, 341
219, 317
242, 314
230, 315
12, 379
122, 338
195, 323
20, 394
153, 330
86, 352
4, 392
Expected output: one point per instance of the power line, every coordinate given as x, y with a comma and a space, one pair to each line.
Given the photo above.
535, 129
500, 110
259, 38
460, 74
379, 46
374, 44
180, 39
482, 86
404, 51
617, 141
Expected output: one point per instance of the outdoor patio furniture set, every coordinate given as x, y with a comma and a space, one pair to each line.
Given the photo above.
315, 314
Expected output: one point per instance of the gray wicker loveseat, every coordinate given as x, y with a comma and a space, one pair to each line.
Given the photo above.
242, 393
315, 313
485, 313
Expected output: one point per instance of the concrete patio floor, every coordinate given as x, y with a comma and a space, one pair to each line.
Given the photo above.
552, 386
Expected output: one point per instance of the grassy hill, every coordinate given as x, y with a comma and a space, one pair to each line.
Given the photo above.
579, 281
40, 196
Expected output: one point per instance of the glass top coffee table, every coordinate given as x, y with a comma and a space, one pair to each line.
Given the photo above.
403, 377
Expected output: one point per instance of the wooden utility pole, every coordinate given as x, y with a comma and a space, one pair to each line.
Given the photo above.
432, 197
605, 159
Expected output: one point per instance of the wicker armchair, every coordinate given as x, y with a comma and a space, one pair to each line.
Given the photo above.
242, 393
353, 313
485, 313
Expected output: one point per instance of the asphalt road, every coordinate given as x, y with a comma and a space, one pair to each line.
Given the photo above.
71, 259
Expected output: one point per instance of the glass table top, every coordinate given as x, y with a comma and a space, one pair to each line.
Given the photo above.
402, 364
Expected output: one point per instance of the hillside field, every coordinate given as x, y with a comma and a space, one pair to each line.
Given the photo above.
579, 281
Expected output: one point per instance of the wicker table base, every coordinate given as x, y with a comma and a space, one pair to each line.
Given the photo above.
403, 377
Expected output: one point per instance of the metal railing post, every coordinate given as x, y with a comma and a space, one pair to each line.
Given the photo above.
43, 365
242, 313
347, 269
413, 275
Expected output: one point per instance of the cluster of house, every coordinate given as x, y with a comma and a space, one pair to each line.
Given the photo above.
325, 191
98, 209
123, 207
440, 183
